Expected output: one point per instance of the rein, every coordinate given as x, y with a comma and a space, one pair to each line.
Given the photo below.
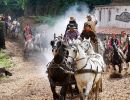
67, 71
74, 58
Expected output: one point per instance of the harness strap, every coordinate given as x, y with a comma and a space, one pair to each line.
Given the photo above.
94, 78
67, 71
80, 59
85, 64
86, 71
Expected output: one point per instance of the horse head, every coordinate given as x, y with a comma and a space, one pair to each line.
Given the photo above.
58, 49
72, 53
87, 46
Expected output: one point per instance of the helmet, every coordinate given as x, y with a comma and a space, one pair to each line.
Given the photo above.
72, 18
89, 17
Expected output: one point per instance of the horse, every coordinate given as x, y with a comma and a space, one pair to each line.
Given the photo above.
117, 58
89, 69
56, 44
15, 29
38, 41
58, 72
128, 53
29, 47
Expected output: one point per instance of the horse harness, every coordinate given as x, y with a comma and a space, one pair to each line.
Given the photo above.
63, 66
82, 70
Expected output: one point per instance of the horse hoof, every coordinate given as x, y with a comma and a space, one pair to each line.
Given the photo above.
61, 98
56, 97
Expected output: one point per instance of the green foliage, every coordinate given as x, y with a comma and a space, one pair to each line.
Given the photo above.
41, 7
5, 60
44, 19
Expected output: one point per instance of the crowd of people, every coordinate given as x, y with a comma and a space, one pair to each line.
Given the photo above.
11, 27
88, 30
71, 32
120, 41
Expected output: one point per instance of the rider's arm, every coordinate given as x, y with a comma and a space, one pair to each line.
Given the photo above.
82, 35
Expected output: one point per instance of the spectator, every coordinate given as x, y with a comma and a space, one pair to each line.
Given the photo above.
113, 40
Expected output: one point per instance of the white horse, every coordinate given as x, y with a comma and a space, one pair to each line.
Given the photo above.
29, 47
89, 68
14, 29
38, 41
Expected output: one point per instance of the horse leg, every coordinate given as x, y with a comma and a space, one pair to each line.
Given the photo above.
120, 68
114, 67
100, 85
127, 65
98, 89
53, 89
80, 91
63, 91
87, 89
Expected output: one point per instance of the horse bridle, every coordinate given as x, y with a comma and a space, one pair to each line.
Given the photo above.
73, 58
76, 53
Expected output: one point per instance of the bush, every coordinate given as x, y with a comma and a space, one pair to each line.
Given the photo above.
5, 60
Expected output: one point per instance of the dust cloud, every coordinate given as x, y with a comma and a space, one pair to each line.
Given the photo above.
78, 11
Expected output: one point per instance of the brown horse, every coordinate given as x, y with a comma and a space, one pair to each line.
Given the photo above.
59, 74
113, 57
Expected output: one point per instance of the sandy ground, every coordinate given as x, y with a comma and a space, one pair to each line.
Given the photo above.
29, 81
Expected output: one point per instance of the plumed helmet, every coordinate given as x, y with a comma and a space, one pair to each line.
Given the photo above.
89, 17
72, 18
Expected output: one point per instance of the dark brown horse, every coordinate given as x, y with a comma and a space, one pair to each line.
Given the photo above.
58, 71
113, 57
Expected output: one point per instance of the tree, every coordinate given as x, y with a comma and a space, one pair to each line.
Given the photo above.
42, 7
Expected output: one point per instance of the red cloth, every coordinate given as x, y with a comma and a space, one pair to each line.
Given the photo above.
27, 29
110, 43
28, 37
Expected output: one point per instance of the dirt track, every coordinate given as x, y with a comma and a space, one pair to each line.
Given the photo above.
29, 81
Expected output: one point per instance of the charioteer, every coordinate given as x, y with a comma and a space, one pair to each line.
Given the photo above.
89, 31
